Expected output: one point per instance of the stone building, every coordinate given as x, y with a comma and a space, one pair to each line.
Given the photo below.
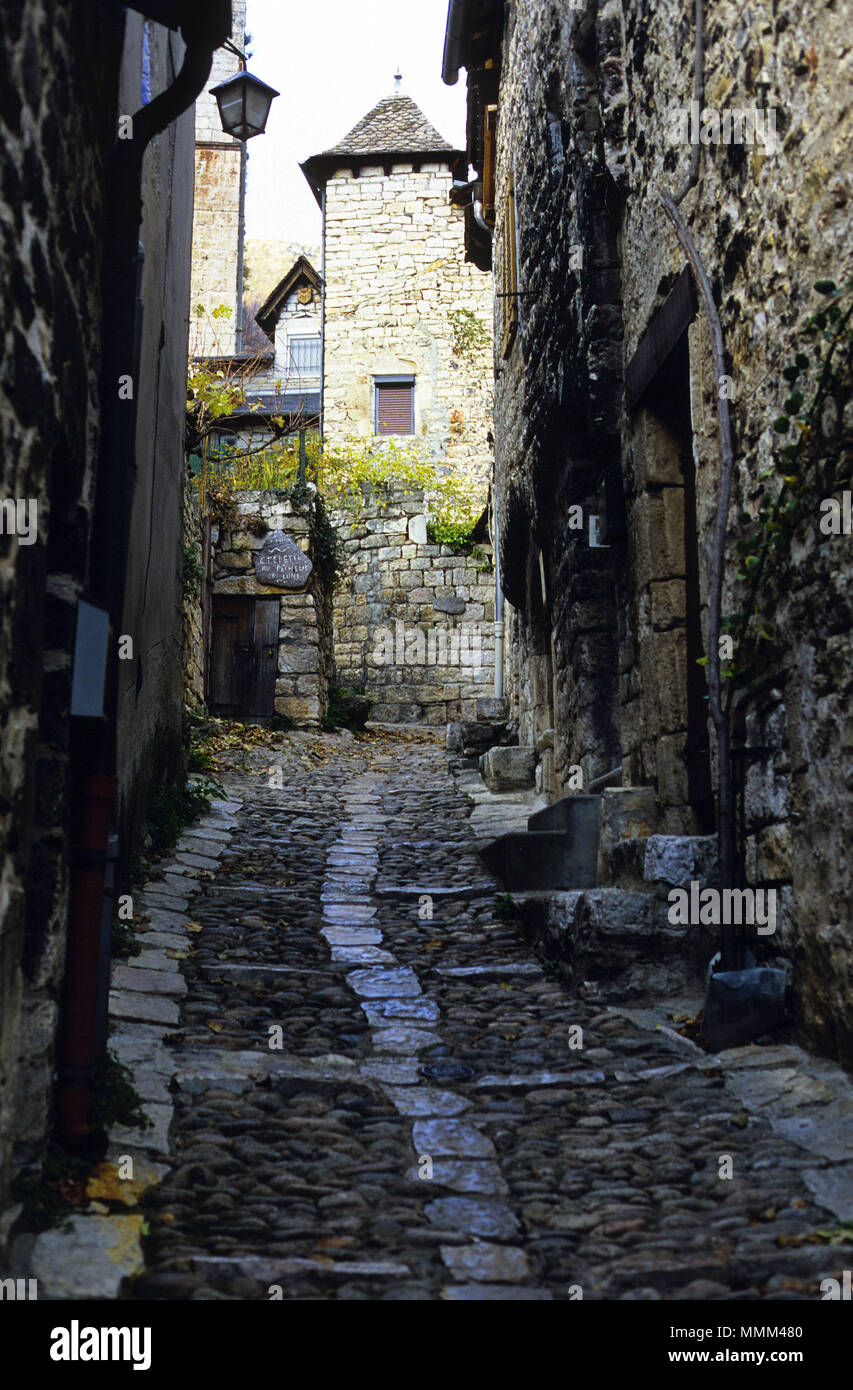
285, 381
612, 391
220, 210
96, 161
399, 295
406, 356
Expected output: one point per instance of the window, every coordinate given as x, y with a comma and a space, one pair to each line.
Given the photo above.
509, 273
395, 405
305, 354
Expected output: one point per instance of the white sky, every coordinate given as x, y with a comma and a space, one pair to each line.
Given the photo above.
332, 60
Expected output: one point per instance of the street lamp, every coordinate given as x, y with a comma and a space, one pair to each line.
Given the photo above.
244, 105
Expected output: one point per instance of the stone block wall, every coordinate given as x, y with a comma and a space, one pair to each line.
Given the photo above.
150, 750
414, 622
59, 100
217, 208
586, 102
394, 272
305, 656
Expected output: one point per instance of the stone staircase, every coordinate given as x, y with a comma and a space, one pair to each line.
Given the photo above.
591, 877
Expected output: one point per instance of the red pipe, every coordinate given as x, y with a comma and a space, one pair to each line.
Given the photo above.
84, 938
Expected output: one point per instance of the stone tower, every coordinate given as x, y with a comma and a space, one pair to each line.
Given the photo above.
219, 208
407, 321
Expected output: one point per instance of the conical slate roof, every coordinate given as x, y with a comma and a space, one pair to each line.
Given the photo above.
396, 125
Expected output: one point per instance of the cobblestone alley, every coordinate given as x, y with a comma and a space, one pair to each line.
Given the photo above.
364, 1085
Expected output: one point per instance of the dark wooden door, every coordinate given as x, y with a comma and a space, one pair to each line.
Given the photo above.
244, 656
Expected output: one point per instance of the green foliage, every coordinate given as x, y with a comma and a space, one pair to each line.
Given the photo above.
338, 715
786, 495
176, 804
113, 1099
470, 334
51, 1194
193, 573
504, 908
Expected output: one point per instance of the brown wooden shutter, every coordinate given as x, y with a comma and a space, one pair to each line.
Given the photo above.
509, 275
395, 408
490, 121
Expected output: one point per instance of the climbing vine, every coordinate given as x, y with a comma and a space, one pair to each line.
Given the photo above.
342, 474
470, 334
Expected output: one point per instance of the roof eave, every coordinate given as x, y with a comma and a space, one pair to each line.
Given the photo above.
455, 32
318, 168
270, 310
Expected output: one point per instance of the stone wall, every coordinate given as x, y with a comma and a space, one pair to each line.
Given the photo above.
305, 632
414, 622
70, 76
217, 208
394, 272
150, 686
608, 639
58, 100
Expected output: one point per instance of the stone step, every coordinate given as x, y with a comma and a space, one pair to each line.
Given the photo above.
470, 737
541, 859
508, 769
577, 812
610, 939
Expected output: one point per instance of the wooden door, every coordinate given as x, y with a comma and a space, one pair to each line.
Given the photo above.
244, 656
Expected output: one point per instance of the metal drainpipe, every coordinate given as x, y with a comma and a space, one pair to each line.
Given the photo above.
477, 209
241, 243
499, 609
93, 807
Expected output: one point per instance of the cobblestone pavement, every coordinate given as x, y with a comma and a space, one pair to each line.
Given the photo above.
369, 1102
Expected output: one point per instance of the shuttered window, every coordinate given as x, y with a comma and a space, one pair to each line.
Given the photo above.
395, 406
509, 273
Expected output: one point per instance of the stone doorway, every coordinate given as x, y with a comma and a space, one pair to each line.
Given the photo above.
668, 399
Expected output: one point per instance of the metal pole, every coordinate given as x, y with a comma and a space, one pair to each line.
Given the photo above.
241, 237
499, 607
